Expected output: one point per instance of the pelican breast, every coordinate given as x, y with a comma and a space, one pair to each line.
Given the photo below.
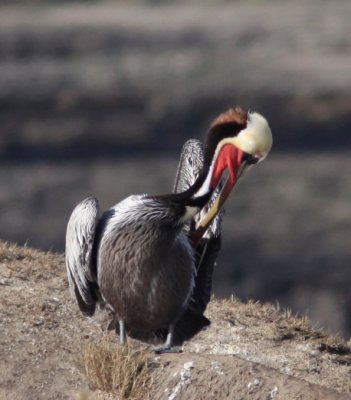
145, 263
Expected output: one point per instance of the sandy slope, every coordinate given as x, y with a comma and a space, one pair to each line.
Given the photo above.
250, 350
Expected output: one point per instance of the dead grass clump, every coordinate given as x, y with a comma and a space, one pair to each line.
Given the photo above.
27, 264
297, 327
12, 252
117, 369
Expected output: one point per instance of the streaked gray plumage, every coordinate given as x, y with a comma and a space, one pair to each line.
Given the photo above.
136, 220
94, 245
139, 257
80, 235
189, 167
145, 240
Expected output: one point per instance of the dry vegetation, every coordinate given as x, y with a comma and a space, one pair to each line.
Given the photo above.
49, 350
123, 371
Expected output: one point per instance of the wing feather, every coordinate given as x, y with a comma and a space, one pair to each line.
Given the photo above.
80, 236
193, 320
189, 167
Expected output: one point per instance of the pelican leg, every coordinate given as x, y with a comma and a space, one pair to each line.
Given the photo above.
122, 333
168, 346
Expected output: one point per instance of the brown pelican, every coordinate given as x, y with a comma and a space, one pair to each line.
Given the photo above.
138, 256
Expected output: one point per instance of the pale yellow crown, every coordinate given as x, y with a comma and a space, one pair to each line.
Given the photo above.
256, 139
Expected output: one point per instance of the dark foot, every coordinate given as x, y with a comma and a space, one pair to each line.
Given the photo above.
167, 349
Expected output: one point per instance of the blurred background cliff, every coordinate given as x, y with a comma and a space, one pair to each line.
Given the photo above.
98, 97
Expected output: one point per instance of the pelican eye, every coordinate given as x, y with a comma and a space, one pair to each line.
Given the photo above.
251, 159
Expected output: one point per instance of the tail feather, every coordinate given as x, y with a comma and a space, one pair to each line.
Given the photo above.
86, 309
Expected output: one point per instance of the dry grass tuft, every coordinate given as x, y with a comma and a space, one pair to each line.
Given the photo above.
118, 369
12, 252
26, 263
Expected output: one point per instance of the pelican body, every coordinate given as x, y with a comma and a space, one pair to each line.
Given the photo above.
141, 256
155, 271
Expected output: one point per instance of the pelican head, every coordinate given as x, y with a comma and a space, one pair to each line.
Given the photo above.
236, 140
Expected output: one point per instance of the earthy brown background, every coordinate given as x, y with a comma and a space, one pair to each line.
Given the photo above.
98, 97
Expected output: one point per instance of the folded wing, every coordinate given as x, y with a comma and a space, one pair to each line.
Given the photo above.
193, 320
80, 263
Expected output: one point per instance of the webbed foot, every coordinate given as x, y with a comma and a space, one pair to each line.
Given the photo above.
167, 349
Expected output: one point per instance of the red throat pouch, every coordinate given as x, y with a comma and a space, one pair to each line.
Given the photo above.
230, 157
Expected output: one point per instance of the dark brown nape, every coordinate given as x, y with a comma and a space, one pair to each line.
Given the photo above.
233, 115
227, 124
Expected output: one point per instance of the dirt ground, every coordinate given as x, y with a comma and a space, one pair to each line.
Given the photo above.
250, 351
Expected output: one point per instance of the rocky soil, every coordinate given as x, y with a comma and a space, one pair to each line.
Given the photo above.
250, 351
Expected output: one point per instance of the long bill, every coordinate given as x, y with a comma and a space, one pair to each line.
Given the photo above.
211, 213
236, 168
